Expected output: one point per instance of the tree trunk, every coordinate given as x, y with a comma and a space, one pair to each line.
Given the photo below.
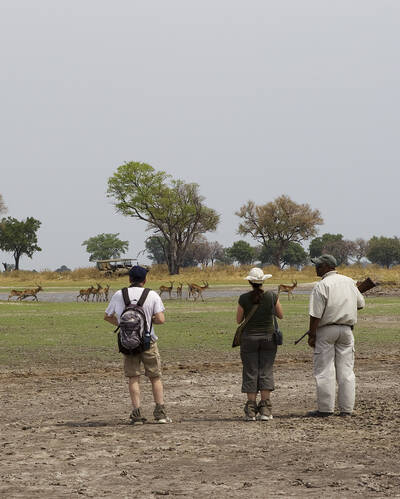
173, 266
17, 256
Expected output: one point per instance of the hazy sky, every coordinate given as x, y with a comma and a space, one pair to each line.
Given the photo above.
250, 99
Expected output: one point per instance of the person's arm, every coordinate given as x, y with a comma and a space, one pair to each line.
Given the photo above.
111, 319
159, 318
278, 309
239, 314
312, 332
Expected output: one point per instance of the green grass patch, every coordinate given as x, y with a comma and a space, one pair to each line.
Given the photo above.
74, 335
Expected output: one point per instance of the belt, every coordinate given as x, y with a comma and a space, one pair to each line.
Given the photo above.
336, 324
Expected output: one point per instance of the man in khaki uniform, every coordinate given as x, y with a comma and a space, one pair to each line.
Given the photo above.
333, 309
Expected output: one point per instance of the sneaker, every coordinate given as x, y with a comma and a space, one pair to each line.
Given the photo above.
250, 411
344, 414
160, 416
264, 410
136, 417
318, 414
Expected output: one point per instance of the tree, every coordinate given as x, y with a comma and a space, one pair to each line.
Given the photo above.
294, 255
333, 244
281, 221
156, 247
63, 268
217, 252
384, 250
19, 237
360, 250
3, 207
242, 252
105, 246
318, 244
172, 208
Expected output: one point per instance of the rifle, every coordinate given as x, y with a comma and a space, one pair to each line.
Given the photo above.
362, 286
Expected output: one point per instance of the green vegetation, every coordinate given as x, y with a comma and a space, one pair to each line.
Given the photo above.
74, 336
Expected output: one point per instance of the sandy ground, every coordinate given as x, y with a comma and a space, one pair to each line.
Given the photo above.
66, 435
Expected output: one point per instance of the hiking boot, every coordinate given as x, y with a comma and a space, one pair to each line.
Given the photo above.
318, 414
160, 416
264, 410
250, 410
136, 418
344, 414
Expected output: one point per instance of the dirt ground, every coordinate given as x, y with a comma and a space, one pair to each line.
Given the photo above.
65, 434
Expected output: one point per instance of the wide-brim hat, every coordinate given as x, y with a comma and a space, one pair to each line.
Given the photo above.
257, 276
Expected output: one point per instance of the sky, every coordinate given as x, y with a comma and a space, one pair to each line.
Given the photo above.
250, 100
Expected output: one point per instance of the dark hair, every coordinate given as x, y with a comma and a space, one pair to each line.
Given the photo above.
257, 292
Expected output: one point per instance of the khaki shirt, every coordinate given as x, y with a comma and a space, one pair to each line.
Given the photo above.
335, 300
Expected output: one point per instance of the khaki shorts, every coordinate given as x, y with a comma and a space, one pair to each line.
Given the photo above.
151, 361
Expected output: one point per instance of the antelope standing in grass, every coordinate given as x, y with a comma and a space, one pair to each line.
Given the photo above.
96, 292
31, 292
85, 294
167, 289
179, 290
15, 292
287, 289
103, 293
195, 290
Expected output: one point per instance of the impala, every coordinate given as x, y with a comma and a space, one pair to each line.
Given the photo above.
179, 290
167, 289
196, 289
85, 293
31, 292
287, 289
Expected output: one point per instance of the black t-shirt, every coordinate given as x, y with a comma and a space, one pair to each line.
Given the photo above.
262, 320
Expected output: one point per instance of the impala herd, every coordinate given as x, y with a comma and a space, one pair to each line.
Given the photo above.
194, 290
99, 293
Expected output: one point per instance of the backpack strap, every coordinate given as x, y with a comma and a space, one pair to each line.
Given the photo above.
125, 296
143, 297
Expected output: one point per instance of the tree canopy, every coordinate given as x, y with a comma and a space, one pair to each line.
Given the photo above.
19, 237
280, 221
172, 208
294, 255
334, 244
105, 246
384, 251
242, 252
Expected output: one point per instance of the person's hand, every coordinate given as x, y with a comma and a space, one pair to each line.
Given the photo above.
311, 340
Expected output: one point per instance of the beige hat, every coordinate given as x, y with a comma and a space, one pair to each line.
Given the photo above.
257, 276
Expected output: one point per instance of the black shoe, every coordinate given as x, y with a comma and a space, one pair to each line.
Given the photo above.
318, 414
136, 417
344, 414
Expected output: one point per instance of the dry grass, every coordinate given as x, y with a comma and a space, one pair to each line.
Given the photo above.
219, 274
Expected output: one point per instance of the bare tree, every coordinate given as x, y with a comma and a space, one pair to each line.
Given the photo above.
360, 249
3, 207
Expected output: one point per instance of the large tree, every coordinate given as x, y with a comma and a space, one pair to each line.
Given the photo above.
384, 251
282, 221
105, 246
242, 252
19, 237
172, 208
156, 248
333, 244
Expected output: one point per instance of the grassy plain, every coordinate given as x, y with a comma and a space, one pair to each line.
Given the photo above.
74, 336
215, 276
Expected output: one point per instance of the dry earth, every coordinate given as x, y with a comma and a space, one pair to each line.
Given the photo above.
65, 434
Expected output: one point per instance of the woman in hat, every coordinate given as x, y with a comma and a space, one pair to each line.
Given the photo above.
257, 345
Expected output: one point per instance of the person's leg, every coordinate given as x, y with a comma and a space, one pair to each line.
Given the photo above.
345, 377
267, 354
134, 391
158, 390
249, 356
324, 368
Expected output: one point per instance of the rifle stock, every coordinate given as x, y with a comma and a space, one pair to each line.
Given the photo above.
362, 286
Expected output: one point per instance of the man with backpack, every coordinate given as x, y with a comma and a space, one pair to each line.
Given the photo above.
134, 310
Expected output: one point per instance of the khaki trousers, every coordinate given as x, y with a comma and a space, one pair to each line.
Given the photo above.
334, 362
